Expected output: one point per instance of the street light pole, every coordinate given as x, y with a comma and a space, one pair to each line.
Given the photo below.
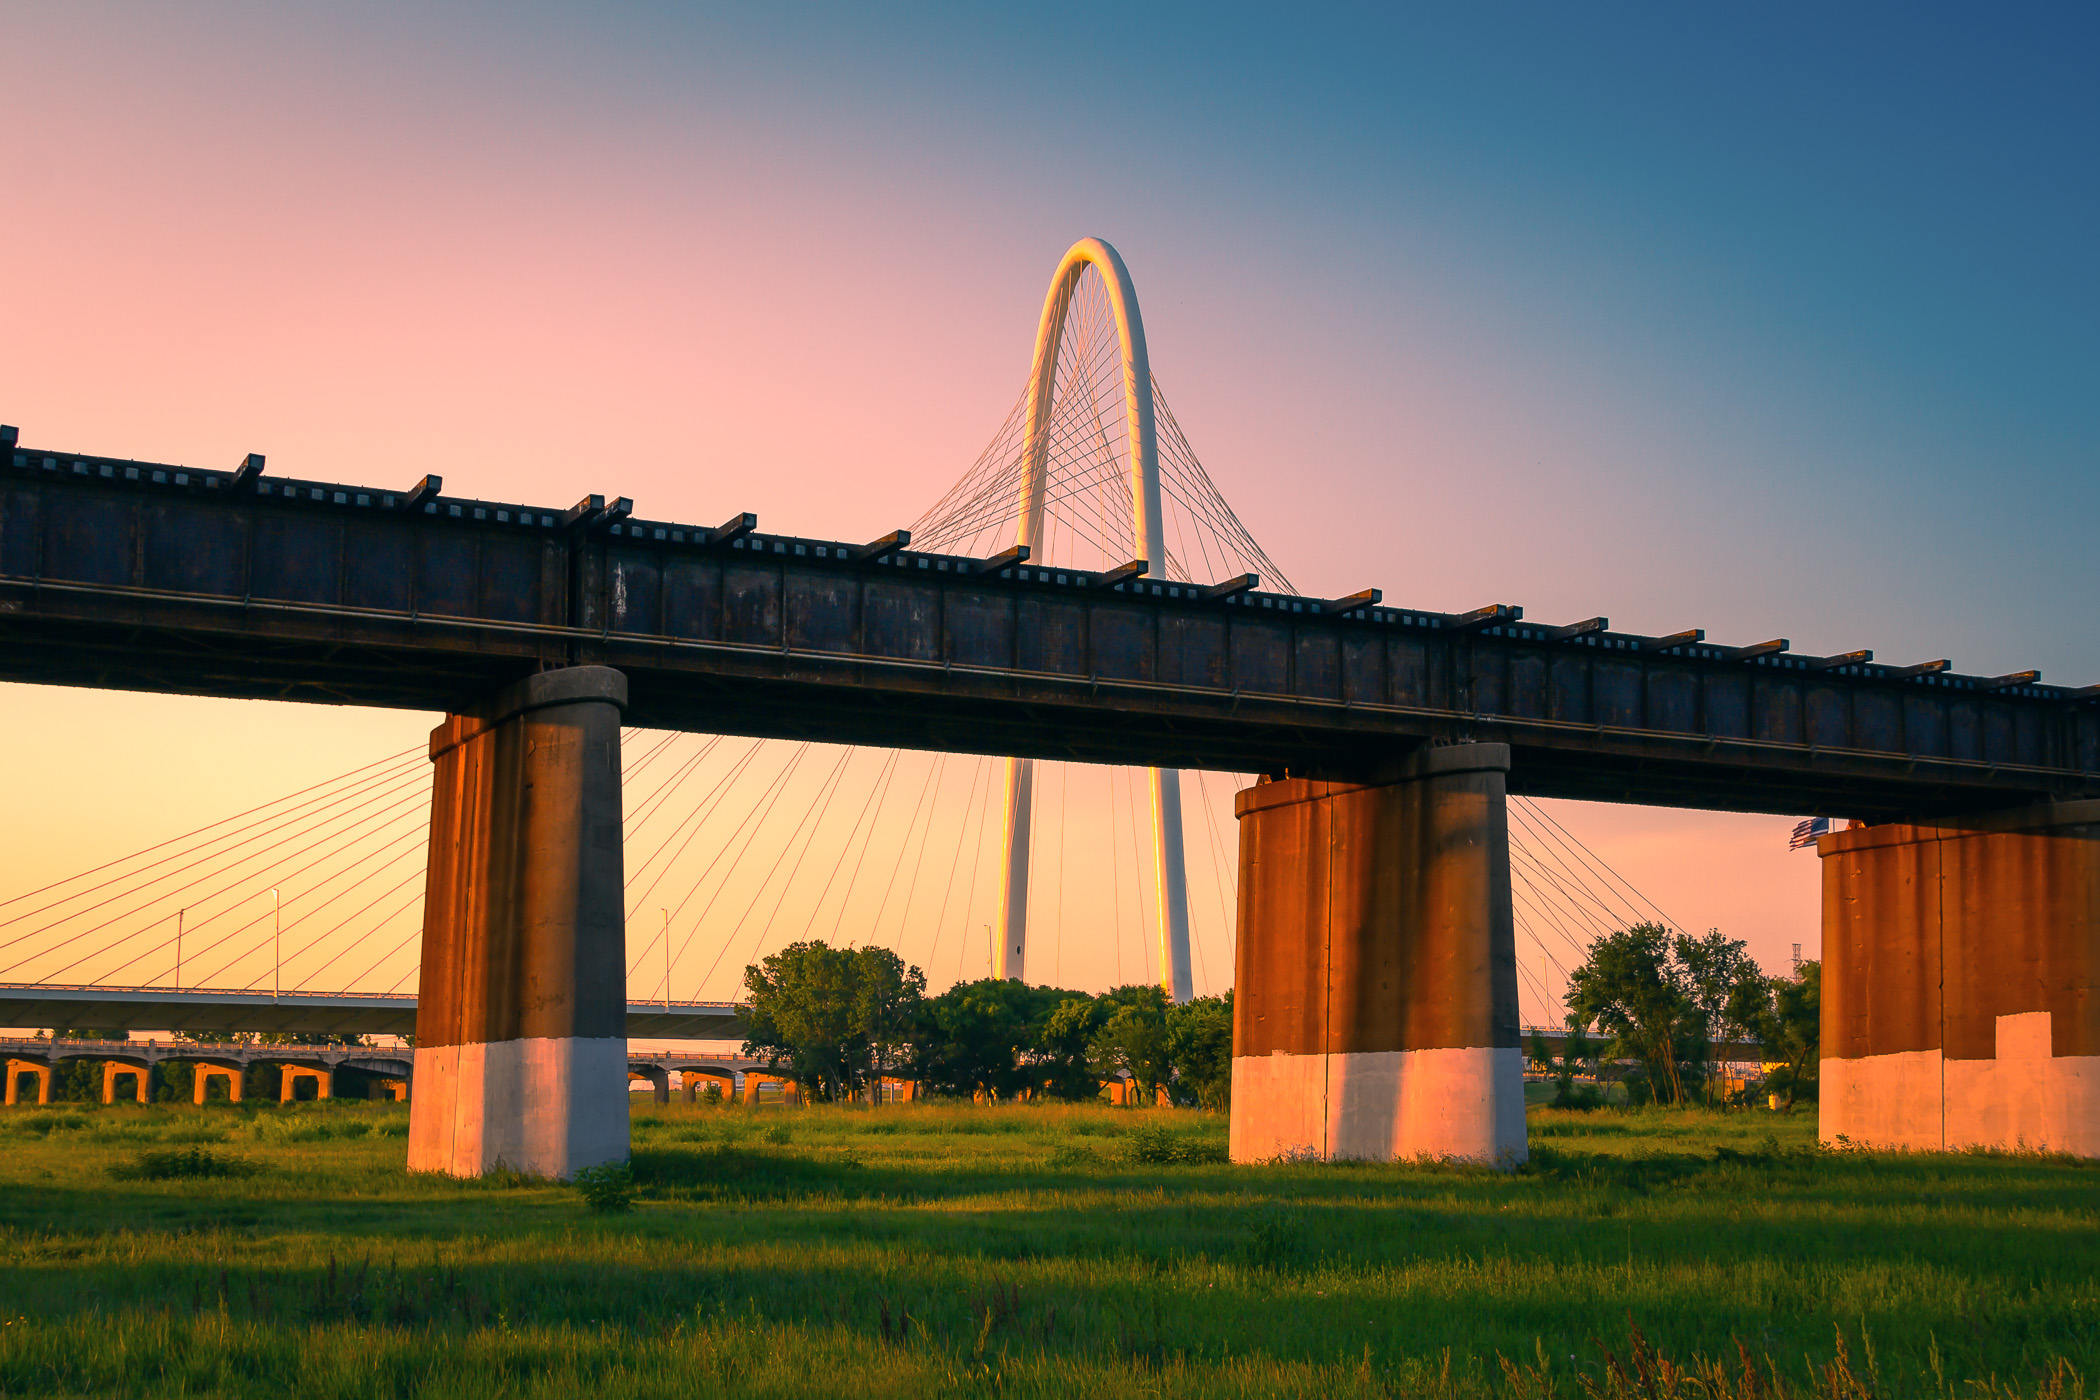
667, 957
276, 946
178, 948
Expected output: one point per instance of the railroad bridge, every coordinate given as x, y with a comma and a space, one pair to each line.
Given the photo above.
1376, 1007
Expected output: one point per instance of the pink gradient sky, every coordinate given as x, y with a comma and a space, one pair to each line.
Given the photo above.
1548, 318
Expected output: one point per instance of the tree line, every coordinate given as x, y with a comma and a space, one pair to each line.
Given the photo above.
836, 1020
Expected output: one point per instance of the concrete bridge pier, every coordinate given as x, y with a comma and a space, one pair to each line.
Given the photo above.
141, 1077
1375, 1009
521, 1025
694, 1079
17, 1068
233, 1081
1959, 965
290, 1075
656, 1076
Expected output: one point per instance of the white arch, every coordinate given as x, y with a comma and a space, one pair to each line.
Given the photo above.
1170, 875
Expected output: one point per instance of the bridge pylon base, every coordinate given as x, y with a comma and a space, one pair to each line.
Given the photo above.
1959, 959
1375, 1013
521, 1022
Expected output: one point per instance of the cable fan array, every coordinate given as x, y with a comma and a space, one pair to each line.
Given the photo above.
1564, 897
1087, 492
345, 860
736, 847
739, 847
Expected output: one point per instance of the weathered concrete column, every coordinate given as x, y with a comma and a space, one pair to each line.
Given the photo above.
696, 1079
233, 1082
112, 1068
1375, 1003
521, 1029
659, 1080
18, 1068
288, 1077
1960, 959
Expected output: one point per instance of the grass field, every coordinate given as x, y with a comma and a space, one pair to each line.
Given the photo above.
1030, 1251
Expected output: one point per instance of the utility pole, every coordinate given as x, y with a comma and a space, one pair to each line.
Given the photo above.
276, 945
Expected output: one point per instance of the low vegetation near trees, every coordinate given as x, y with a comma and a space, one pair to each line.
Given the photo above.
1035, 1249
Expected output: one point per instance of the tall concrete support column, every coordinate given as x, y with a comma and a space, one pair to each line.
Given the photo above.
521, 1026
1375, 1006
1960, 960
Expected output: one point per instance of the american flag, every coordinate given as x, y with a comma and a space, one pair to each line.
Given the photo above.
1805, 833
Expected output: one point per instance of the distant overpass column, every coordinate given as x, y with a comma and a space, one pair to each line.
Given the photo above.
1375, 1012
1959, 960
140, 1075
17, 1068
205, 1073
290, 1075
521, 1025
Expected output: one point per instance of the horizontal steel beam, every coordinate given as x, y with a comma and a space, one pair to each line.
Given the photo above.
137, 576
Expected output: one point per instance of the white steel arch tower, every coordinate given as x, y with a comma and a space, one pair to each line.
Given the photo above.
1169, 869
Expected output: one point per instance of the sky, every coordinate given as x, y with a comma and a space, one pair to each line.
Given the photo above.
1772, 321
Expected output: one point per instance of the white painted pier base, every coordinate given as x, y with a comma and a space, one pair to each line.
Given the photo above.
1462, 1105
534, 1106
2024, 1099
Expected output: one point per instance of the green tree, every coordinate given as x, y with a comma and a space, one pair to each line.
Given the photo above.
1577, 1056
830, 1016
1791, 1026
1132, 1039
1634, 990
1199, 1045
887, 995
1726, 986
973, 1037
1064, 1044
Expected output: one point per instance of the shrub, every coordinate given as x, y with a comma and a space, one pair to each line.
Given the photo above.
607, 1188
1153, 1145
170, 1163
1273, 1242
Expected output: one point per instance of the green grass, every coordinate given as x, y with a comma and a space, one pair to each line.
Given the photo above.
1029, 1251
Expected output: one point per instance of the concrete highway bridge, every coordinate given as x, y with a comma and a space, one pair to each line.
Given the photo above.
383, 1072
241, 1011
1376, 984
